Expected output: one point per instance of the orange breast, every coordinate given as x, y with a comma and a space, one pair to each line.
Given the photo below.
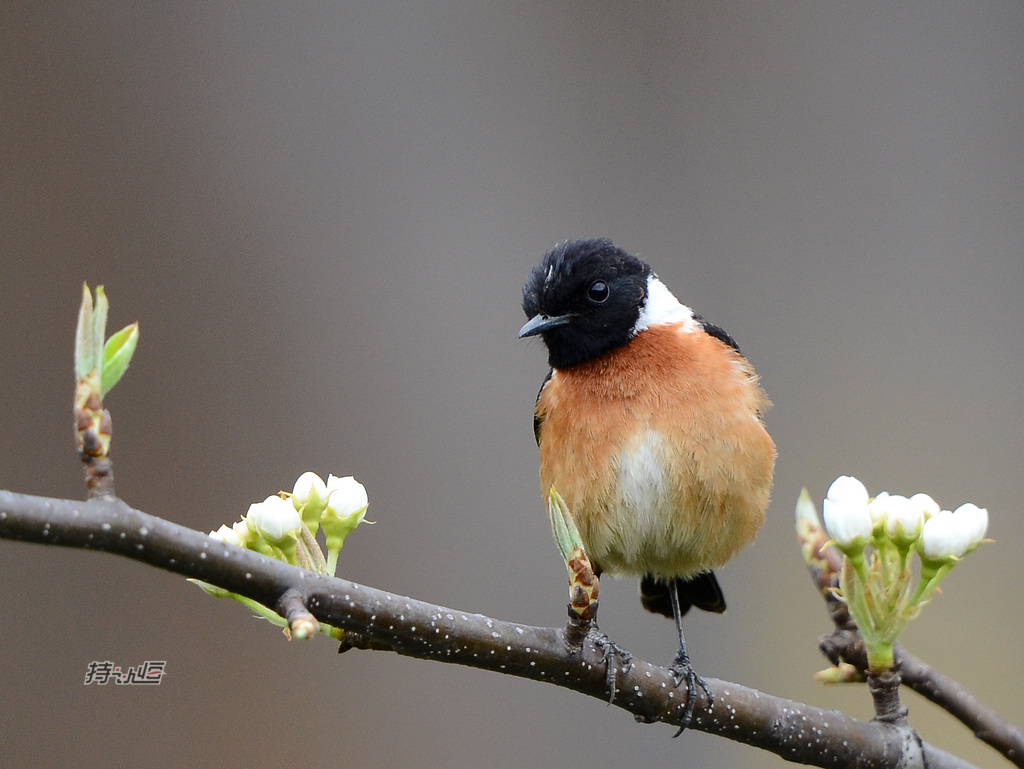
660, 453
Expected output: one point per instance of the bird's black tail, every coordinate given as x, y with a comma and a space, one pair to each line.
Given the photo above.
700, 590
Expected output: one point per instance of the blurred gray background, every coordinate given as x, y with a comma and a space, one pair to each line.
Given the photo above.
322, 218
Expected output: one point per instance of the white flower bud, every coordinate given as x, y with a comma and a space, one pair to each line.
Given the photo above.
227, 534
242, 531
310, 489
346, 509
275, 519
904, 520
974, 520
878, 508
846, 514
928, 506
944, 536
848, 488
347, 496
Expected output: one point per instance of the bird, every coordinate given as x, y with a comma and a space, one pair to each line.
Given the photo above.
650, 426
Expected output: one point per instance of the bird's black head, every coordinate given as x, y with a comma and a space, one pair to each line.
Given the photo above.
584, 300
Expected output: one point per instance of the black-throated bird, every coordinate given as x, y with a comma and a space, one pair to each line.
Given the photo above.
649, 427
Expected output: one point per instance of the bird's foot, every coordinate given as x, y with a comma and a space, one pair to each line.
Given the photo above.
682, 671
614, 657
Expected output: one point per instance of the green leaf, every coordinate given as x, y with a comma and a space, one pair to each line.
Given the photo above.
567, 536
806, 511
99, 326
92, 323
117, 354
85, 356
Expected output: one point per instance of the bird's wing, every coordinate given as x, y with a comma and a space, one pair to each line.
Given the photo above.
538, 420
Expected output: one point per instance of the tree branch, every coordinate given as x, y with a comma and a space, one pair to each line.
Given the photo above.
380, 620
845, 645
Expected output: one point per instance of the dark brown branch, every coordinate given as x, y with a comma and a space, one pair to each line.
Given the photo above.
885, 691
292, 607
987, 725
99, 476
380, 620
845, 645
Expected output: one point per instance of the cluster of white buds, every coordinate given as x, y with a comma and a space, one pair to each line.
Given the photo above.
285, 526
854, 520
878, 536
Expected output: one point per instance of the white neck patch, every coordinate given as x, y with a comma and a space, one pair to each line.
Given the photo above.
662, 307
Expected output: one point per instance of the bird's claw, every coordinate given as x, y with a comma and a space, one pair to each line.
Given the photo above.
682, 671
613, 654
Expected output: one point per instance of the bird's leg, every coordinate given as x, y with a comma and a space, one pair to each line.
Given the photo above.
584, 588
582, 626
613, 655
681, 667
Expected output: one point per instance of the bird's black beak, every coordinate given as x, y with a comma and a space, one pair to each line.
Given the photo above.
538, 324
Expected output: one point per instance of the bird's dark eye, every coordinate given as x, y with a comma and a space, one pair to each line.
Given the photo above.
598, 291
